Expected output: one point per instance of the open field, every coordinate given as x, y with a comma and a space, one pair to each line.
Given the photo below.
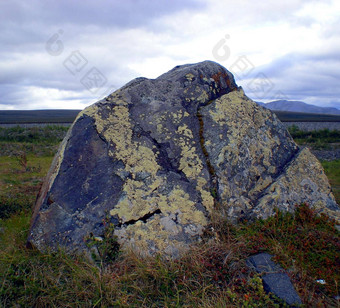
286, 116
212, 274
68, 116
38, 116
310, 126
317, 138
325, 143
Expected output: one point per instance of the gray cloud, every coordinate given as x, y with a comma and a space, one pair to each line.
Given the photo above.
126, 39
18, 15
313, 78
26, 27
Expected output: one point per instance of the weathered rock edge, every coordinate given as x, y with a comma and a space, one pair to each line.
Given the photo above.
154, 158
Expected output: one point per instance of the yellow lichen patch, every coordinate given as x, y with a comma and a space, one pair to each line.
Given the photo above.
144, 160
207, 198
151, 237
180, 203
190, 162
185, 131
159, 233
159, 122
159, 128
247, 139
302, 181
177, 117
138, 199
203, 97
90, 111
190, 76
229, 105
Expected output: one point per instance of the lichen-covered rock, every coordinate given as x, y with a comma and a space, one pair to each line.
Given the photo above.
155, 157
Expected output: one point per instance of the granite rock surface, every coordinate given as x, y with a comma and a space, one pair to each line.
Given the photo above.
155, 159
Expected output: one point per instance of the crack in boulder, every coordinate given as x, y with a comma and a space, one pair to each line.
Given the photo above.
143, 219
163, 159
211, 169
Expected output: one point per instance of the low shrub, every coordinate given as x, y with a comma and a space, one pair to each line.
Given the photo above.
318, 139
39, 134
303, 242
11, 204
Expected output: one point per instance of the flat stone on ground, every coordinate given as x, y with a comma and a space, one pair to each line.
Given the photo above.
274, 278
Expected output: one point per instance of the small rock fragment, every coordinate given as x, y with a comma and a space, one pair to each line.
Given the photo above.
274, 278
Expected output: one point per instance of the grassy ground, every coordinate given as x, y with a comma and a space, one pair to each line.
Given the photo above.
332, 169
38, 116
287, 116
321, 139
212, 274
20, 179
68, 116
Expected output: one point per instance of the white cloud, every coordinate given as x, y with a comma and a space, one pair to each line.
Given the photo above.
294, 43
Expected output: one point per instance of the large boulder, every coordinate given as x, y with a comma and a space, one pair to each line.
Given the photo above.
157, 158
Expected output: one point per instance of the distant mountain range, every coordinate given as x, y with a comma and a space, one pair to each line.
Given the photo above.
297, 106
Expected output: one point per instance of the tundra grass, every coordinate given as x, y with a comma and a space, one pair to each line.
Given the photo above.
287, 116
50, 134
306, 244
317, 139
38, 116
37, 141
20, 180
211, 274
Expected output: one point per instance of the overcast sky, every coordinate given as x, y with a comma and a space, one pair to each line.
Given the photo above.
68, 54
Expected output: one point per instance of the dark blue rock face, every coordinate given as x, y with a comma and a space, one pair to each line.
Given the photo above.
280, 285
75, 205
262, 263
